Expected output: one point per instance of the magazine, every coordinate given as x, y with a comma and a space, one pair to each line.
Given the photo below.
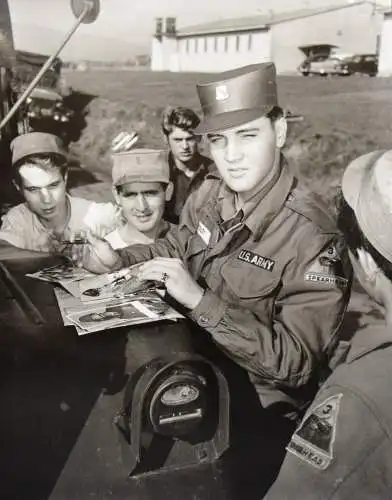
117, 284
62, 273
110, 312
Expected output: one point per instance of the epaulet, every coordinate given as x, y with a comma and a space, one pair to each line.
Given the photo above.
312, 207
213, 172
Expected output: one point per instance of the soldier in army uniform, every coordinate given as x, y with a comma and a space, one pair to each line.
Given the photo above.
343, 447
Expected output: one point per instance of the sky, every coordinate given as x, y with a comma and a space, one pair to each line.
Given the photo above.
124, 28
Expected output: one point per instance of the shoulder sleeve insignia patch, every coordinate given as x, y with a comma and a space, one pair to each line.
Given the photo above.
327, 268
314, 439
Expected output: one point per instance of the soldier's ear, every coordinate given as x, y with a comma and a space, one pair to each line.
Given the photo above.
169, 191
281, 131
116, 195
16, 185
66, 177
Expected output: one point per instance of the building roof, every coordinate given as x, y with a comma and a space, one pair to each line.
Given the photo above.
261, 21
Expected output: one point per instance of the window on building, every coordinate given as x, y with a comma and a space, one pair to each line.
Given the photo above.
187, 45
226, 43
196, 44
237, 43
205, 44
216, 44
250, 41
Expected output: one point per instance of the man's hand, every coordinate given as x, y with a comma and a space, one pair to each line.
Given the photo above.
97, 255
177, 280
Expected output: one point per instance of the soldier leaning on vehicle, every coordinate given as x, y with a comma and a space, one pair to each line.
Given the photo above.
188, 168
256, 262
343, 447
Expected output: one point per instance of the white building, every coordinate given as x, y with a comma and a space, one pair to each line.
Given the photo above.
282, 37
385, 55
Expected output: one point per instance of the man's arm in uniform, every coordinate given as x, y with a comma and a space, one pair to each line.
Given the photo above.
287, 348
339, 451
172, 245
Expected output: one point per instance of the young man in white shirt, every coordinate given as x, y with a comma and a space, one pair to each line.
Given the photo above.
49, 217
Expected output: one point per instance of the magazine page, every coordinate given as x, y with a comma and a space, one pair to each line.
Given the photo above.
67, 301
117, 284
114, 312
64, 300
107, 315
62, 273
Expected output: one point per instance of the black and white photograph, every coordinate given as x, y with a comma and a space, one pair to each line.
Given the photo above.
63, 273
195, 199
105, 313
108, 285
109, 316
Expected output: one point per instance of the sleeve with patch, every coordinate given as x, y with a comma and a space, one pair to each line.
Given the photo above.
327, 268
335, 451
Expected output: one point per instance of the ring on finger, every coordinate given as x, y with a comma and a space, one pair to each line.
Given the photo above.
164, 278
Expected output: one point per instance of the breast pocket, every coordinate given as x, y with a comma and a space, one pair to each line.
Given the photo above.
195, 254
248, 284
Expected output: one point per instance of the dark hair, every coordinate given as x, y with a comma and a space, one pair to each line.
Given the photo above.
275, 113
354, 237
45, 161
184, 118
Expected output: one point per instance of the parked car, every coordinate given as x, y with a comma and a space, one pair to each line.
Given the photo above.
323, 65
46, 104
366, 64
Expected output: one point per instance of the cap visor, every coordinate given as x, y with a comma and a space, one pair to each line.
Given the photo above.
230, 119
139, 180
22, 159
353, 175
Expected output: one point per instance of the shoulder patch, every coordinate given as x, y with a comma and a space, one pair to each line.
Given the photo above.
328, 268
314, 439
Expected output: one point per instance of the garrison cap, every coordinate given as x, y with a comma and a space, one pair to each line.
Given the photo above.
367, 188
236, 97
140, 165
36, 143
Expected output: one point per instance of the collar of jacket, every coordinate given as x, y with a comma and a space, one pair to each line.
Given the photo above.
203, 163
264, 207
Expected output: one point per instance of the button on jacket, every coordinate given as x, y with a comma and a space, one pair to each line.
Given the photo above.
352, 457
270, 302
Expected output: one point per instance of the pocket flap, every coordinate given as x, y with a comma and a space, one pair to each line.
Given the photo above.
248, 281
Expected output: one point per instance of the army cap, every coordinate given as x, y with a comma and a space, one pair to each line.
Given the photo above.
236, 97
367, 188
140, 165
36, 143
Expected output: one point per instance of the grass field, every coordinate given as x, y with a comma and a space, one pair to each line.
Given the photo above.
343, 117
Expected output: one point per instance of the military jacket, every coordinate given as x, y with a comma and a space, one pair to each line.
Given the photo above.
276, 284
